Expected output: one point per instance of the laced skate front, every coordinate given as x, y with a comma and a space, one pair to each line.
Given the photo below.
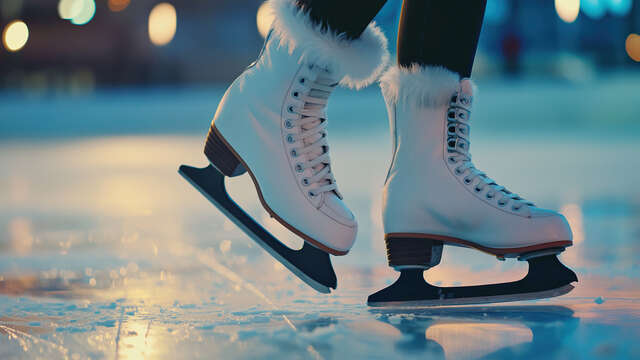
458, 128
312, 121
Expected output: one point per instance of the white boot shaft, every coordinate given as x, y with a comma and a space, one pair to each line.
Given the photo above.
432, 186
273, 116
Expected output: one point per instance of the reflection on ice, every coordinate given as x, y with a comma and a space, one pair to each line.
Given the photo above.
478, 332
115, 256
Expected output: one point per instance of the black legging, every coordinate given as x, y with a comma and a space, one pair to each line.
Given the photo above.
432, 32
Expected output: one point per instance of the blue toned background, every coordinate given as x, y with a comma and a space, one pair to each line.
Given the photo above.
105, 252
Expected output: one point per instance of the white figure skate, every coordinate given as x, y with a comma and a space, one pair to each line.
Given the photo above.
272, 122
434, 196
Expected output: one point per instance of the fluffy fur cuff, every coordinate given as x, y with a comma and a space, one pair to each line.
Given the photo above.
357, 63
422, 86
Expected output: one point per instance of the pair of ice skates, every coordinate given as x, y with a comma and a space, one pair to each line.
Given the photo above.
271, 123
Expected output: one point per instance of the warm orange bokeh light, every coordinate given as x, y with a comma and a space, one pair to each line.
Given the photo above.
118, 5
162, 24
568, 10
15, 35
632, 45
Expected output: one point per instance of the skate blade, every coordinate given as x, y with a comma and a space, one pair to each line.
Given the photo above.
547, 277
475, 300
309, 264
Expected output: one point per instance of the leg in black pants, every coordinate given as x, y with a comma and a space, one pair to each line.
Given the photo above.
343, 16
432, 32
440, 33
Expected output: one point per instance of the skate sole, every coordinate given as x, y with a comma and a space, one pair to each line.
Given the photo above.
210, 183
475, 300
272, 213
500, 253
547, 277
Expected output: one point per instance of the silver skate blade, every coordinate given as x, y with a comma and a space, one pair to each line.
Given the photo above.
476, 300
309, 264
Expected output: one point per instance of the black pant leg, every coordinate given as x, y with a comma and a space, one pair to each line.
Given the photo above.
350, 17
440, 33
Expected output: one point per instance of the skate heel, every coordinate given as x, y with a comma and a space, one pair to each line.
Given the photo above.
221, 156
412, 253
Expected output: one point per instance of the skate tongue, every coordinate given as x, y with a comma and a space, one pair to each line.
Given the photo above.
320, 94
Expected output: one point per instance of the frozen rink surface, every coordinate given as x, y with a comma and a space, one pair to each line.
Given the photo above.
107, 253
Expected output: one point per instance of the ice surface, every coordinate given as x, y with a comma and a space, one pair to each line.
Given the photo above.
106, 252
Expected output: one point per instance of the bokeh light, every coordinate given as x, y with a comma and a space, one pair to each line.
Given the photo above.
264, 19
594, 9
15, 35
118, 5
632, 45
86, 14
567, 10
620, 7
68, 9
163, 22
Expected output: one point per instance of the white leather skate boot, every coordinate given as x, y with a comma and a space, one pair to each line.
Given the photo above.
272, 123
434, 192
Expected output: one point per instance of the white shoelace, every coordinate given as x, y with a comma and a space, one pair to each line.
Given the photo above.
458, 147
312, 121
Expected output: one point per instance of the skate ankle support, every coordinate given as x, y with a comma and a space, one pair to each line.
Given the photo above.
419, 86
357, 63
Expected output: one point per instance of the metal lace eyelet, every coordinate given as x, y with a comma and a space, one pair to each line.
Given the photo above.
302, 80
452, 129
477, 189
451, 115
299, 168
489, 196
305, 182
290, 139
288, 124
312, 194
294, 153
454, 98
295, 94
502, 203
467, 181
451, 143
458, 171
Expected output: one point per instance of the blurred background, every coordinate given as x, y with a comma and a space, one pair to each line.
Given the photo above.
57, 50
80, 45
105, 252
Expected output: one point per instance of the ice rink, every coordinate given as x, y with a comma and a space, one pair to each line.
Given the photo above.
107, 253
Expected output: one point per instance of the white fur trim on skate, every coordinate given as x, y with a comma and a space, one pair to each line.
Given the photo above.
422, 86
357, 63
